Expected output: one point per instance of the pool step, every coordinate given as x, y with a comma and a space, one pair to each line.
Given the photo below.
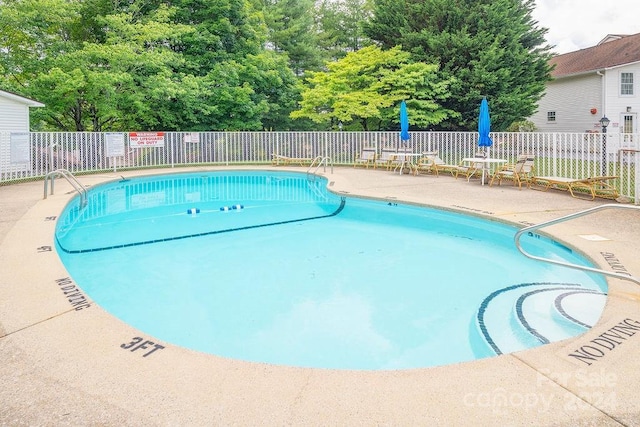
582, 307
531, 314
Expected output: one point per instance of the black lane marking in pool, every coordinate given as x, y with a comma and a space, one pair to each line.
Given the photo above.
523, 319
208, 233
138, 343
492, 295
560, 309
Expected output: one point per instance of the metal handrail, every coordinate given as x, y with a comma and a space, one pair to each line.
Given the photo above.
322, 160
529, 229
71, 179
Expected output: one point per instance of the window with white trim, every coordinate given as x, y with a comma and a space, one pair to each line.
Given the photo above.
626, 83
551, 116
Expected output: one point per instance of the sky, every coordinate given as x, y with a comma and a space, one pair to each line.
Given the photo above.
578, 24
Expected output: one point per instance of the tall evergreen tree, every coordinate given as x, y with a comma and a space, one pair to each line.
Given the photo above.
223, 30
493, 48
291, 30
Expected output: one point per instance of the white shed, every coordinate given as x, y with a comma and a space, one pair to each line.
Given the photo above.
14, 119
14, 112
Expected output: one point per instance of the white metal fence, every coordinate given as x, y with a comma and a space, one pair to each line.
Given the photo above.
27, 156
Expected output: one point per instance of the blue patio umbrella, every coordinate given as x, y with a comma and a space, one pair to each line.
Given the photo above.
404, 122
484, 125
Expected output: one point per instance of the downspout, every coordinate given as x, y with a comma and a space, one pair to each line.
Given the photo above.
604, 92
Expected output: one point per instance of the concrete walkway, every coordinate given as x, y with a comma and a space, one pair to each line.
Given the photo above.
66, 366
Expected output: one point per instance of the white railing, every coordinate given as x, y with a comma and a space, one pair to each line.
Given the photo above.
530, 229
51, 177
575, 155
317, 163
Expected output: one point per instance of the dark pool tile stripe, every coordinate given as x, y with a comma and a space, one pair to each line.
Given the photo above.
208, 233
485, 303
561, 310
523, 319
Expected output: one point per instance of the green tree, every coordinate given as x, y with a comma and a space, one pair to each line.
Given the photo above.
126, 82
238, 84
222, 30
143, 65
291, 30
493, 48
31, 33
365, 88
341, 26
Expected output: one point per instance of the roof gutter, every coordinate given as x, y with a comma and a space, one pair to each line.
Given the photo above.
20, 99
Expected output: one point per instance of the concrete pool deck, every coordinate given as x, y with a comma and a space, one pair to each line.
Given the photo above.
65, 361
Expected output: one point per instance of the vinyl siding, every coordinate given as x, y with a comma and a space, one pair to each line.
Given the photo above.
14, 117
572, 99
616, 103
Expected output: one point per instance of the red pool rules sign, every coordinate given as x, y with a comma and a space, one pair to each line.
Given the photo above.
146, 139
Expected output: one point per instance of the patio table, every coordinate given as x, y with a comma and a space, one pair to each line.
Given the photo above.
485, 163
405, 159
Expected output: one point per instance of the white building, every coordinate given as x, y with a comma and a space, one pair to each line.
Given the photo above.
14, 119
14, 112
590, 83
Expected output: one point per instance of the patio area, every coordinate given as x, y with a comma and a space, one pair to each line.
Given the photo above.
63, 366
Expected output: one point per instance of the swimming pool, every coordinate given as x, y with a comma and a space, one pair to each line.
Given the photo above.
272, 267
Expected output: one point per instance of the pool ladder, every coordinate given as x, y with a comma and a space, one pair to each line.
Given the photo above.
317, 163
529, 231
81, 189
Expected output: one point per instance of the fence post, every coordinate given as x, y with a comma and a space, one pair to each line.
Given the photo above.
636, 181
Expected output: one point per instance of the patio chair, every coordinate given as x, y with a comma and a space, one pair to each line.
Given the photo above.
580, 188
277, 160
387, 156
519, 172
440, 165
426, 163
471, 169
366, 157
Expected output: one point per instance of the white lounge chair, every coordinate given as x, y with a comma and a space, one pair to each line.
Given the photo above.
580, 188
387, 156
277, 160
433, 163
366, 157
520, 172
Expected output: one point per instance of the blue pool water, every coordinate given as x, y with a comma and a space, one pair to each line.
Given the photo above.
272, 267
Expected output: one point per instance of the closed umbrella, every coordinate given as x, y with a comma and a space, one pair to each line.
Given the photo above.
404, 122
484, 127
404, 134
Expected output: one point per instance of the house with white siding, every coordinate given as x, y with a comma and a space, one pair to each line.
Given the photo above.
14, 112
14, 119
590, 83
